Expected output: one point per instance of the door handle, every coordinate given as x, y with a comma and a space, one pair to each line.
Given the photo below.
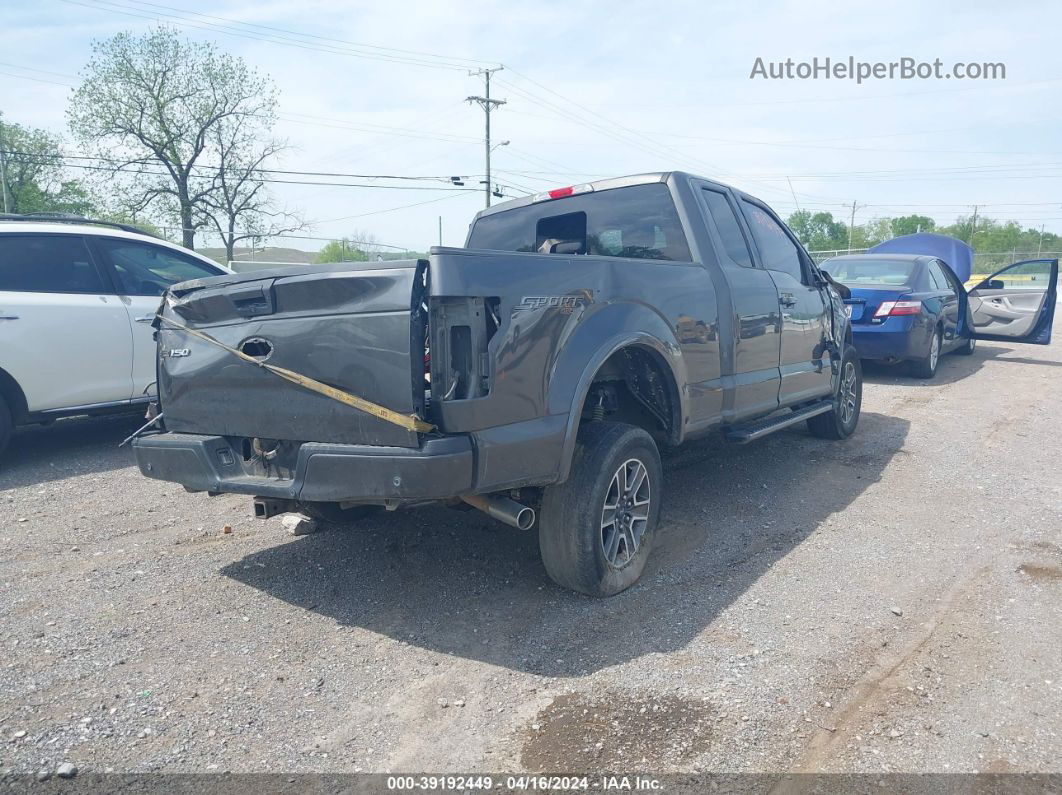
8, 317
786, 299
144, 319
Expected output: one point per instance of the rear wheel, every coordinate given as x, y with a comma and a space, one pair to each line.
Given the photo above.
967, 347
840, 422
6, 424
332, 513
596, 528
926, 367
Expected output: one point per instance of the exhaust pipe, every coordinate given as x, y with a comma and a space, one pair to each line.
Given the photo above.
503, 509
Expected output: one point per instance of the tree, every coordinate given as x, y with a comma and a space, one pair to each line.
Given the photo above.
34, 176
912, 224
360, 247
239, 206
151, 105
818, 231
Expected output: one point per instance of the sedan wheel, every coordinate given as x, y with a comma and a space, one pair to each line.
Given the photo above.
926, 367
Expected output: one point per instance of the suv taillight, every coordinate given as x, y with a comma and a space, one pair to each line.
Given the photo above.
894, 308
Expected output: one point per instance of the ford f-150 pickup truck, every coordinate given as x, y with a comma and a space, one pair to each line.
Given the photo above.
533, 373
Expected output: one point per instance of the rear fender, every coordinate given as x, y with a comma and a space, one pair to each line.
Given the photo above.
611, 329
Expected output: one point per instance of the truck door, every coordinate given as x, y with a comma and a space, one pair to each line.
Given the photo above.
804, 362
754, 371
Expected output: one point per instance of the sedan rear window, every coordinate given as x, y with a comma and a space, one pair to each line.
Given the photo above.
639, 221
870, 271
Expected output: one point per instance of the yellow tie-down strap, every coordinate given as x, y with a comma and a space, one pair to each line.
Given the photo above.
411, 422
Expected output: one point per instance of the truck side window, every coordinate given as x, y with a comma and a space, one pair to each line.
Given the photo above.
778, 251
729, 229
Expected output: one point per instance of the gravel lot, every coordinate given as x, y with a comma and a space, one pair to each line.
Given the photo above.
889, 603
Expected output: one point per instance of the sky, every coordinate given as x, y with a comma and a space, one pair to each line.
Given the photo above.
597, 89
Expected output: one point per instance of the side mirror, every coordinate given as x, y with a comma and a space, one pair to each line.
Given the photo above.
991, 284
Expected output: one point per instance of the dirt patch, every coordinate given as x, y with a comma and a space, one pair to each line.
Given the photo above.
620, 731
1041, 572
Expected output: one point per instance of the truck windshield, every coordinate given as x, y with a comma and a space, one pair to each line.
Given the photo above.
638, 221
869, 271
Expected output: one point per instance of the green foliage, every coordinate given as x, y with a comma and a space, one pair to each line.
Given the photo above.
35, 178
818, 231
911, 225
341, 251
995, 243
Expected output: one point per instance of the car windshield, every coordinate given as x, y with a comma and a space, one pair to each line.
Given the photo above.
870, 271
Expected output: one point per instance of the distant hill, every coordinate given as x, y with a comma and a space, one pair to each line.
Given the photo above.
270, 254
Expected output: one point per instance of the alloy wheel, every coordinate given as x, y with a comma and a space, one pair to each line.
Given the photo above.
625, 514
847, 393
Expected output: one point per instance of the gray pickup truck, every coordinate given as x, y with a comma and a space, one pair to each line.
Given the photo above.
532, 374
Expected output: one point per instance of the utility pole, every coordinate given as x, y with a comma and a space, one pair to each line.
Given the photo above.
3, 166
851, 223
488, 105
973, 226
1040, 245
440, 230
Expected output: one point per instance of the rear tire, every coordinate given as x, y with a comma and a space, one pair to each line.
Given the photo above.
926, 367
331, 513
596, 529
6, 424
840, 422
967, 348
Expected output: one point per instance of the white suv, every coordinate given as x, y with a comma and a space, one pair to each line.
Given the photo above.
77, 299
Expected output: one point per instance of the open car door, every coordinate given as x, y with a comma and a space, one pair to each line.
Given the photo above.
1016, 304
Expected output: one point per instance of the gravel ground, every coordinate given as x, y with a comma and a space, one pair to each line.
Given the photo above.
887, 603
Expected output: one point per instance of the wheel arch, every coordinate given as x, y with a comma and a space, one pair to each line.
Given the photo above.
13, 396
658, 355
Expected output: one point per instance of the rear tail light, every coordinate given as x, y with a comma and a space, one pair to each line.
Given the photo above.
895, 308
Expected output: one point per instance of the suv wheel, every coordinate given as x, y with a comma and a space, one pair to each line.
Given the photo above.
6, 424
926, 367
596, 528
840, 422
331, 513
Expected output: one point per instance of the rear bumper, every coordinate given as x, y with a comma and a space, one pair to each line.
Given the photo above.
439, 468
896, 338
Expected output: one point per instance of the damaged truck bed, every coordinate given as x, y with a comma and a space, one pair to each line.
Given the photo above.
539, 368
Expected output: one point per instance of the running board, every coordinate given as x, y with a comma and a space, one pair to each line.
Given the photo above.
743, 434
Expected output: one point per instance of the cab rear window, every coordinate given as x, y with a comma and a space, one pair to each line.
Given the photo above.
638, 222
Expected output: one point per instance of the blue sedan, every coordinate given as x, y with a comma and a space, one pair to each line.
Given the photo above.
904, 308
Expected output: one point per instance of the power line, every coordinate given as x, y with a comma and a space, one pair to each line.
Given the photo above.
230, 30
436, 178
312, 36
387, 210
146, 172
